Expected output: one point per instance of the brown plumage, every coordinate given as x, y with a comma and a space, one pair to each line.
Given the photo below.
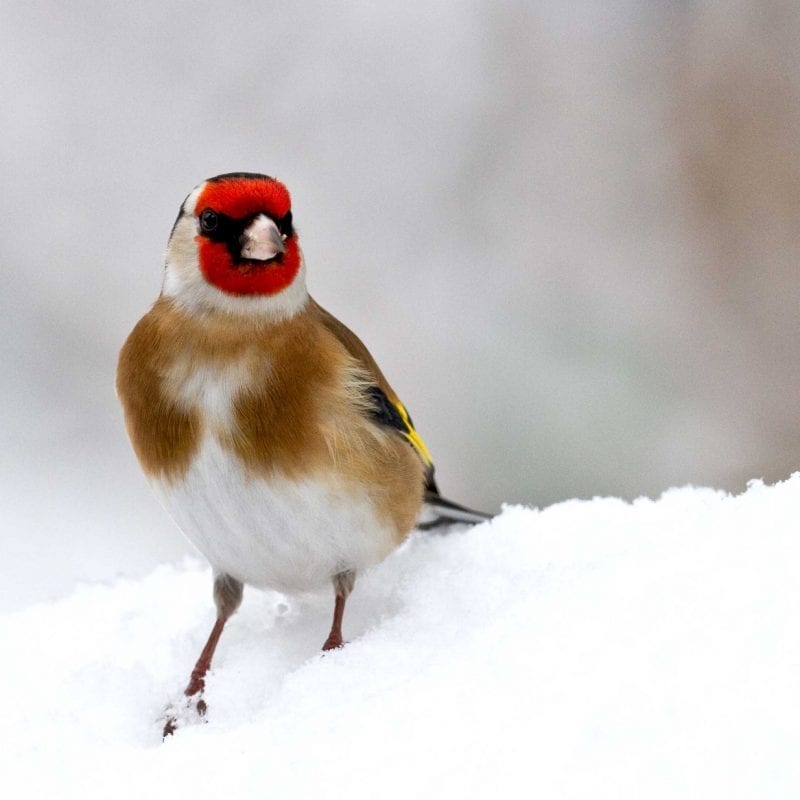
300, 408
263, 424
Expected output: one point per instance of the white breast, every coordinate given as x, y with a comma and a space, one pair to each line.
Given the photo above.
268, 532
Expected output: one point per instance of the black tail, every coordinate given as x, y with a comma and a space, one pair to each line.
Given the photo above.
438, 510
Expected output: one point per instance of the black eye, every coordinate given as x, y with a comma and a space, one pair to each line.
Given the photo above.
209, 220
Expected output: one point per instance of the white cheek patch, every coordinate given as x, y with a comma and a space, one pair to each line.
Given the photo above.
191, 201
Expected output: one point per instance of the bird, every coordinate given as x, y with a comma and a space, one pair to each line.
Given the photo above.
262, 423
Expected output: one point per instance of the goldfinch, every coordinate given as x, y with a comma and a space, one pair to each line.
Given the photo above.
263, 424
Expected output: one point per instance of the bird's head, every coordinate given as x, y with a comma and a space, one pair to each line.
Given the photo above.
233, 248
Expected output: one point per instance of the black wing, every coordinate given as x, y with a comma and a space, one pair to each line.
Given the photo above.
394, 415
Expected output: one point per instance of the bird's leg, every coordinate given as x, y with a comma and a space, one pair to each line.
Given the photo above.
343, 584
227, 597
197, 681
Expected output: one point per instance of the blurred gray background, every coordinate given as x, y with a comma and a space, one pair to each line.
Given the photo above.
568, 232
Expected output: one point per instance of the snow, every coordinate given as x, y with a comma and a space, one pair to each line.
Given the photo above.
593, 649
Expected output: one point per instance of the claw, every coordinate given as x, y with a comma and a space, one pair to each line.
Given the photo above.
193, 705
189, 711
170, 726
333, 643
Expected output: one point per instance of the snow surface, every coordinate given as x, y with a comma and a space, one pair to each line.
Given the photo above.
593, 649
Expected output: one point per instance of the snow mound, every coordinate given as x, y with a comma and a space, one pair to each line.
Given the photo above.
593, 649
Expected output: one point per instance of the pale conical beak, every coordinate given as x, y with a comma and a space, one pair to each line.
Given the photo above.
261, 239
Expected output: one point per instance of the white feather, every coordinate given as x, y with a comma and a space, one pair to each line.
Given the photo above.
208, 388
273, 533
270, 532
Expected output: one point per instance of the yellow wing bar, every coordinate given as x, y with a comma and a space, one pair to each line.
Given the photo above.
411, 434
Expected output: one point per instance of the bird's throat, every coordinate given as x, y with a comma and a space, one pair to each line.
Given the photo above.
248, 277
